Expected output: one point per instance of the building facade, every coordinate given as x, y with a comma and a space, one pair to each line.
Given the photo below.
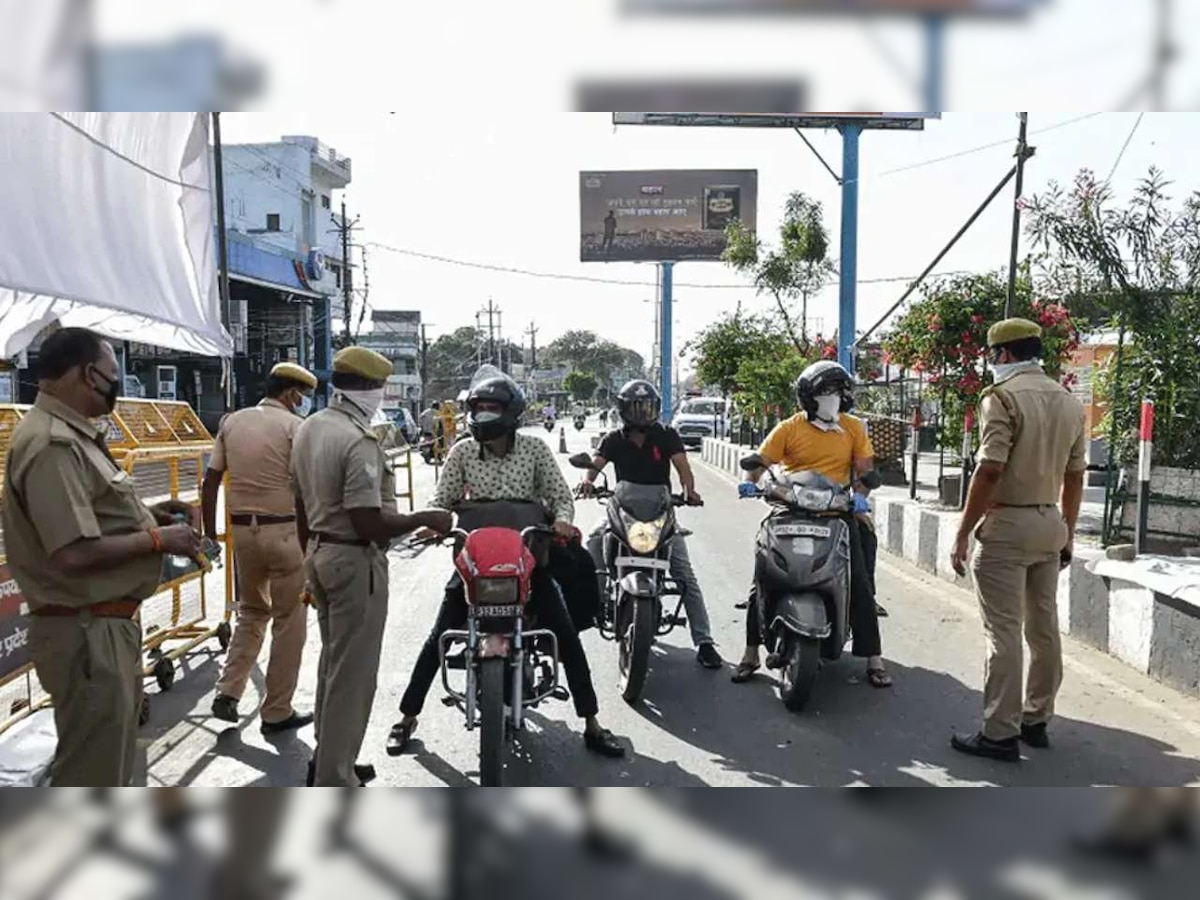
286, 277
396, 334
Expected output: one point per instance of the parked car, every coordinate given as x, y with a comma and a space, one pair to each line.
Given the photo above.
405, 424
701, 417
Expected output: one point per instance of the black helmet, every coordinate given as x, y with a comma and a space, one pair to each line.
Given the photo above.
639, 404
819, 379
495, 389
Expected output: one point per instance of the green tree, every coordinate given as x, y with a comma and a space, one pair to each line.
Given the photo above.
796, 269
1140, 267
580, 385
720, 348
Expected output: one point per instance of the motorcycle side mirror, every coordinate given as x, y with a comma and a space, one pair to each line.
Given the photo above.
752, 462
580, 461
871, 480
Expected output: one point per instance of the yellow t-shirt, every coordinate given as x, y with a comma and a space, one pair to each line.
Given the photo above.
801, 446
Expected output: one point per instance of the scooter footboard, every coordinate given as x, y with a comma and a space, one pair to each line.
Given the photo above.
803, 614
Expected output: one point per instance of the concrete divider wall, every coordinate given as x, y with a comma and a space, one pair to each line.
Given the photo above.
1157, 635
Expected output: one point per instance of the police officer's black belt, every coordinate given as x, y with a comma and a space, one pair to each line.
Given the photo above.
108, 609
262, 520
340, 541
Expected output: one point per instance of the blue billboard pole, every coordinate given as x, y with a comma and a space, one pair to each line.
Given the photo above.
665, 313
848, 287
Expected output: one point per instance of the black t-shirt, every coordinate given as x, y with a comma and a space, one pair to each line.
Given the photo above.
648, 464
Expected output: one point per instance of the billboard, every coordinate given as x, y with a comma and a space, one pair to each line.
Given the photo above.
886, 121
663, 215
14, 625
842, 7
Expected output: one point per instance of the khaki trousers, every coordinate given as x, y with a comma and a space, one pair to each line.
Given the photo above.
1016, 567
270, 571
92, 670
350, 586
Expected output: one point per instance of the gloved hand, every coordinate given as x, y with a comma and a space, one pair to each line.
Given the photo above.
747, 489
861, 504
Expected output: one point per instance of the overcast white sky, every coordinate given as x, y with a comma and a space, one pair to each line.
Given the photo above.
502, 190
478, 167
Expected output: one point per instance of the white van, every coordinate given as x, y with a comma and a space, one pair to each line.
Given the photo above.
701, 417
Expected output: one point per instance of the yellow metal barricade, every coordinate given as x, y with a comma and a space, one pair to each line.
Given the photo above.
401, 460
163, 446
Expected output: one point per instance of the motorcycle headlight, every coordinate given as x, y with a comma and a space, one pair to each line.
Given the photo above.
644, 536
814, 499
496, 592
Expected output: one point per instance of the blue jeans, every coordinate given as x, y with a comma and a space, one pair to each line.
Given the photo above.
684, 576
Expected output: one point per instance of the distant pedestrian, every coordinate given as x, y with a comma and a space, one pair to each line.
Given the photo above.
1032, 453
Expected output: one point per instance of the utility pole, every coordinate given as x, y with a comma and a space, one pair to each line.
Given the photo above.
424, 357
1024, 152
344, 227
222, 257
531, 368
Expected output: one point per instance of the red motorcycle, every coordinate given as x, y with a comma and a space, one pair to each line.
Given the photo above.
511, 664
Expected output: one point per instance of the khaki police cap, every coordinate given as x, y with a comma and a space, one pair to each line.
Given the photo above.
362, 362
1012, 330
293, 372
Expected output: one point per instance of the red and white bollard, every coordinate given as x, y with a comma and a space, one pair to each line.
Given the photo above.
1145, 454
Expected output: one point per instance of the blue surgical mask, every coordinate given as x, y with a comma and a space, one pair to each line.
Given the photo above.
305, 407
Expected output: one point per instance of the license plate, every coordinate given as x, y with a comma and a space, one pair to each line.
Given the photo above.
821, 531
638, 562
497, 612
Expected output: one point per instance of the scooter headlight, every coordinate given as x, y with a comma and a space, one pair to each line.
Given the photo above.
644, 536
814, 499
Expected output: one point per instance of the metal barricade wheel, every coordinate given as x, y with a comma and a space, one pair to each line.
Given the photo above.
144, 711
164, 673
224, 635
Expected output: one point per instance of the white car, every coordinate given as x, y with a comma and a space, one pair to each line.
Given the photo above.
701, 417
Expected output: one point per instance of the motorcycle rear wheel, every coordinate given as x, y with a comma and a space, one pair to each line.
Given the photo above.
492, 725
636, 626
802, 660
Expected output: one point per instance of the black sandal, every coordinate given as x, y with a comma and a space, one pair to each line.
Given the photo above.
604, 742
879, 678
399, 737
744, 672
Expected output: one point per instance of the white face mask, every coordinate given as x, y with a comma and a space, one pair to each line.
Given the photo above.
829, 408
1004, 371
305, 407
368, 402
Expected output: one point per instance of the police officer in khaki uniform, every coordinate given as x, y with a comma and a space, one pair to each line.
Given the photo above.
1032, 454
346, 516
86, 552
255, 446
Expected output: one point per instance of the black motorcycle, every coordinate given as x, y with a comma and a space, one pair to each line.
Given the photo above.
548, 424
802, 575
580, 422
634, 572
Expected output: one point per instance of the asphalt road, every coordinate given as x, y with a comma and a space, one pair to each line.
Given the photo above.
695, 727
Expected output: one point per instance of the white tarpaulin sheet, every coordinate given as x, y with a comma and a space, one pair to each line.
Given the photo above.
106, 222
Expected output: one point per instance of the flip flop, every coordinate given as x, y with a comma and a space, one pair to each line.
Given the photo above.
744, 672
879, 678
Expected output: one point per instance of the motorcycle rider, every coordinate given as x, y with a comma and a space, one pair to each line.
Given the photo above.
499, 463
643, 452
823, 439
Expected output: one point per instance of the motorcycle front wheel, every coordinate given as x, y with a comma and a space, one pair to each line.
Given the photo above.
801, 662
492, 725
636, 627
